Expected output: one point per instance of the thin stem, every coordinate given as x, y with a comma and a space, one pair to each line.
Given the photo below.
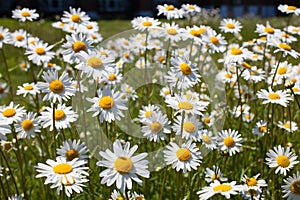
54, 127
276, 70
3, 189
298, 103
181, 127
8, 75
163, 184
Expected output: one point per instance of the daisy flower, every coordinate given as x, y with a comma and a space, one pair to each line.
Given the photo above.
267, 30
5, 128
93, 64
185, 158
63, 116
260, 128
213, 174
254, 74
68, 188
95, 37
146, 112
156, 126
128, 92
215, 43
225, 189
281, 158
190, 9
285, 48
278, 97
144, 23
190, 127
19, 38
122, 166
51, 66
39, 53
208, 139
75, 44
171, 32
230, 141
56, 89
73, 149
253, 184
115, 195
136, 196
75, 17
107, 105
28, 88
169, 11
289, 126
188, 105
90, 28
5, 36
111, 76
292, 188
11, 113
284, 8
15, 197
3, 89
28, 125
230, 26
237, 55
24, 14
62, 172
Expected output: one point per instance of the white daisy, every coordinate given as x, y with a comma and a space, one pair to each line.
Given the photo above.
11, 113
51, 66
56, 89
208, 139
107, 105
171, 32
230, 141
128, 92
190, 127
61, 171
289, 9
185, 158
115, 195
19, 38
24, 14
253, 184
73, 149
144, 23
190, 9
111, 76
230, 26
5, 128
289, 126
169, 11
281, 159
75, 17
260, 128
215, 43
5, 36
292, 187
28, 125
146, 112
122, 166
28, 88
236, 55
225, 189
68, 188
39, 53
285, 48
15, 197
278, 97
156, 126
213, 174
63, 116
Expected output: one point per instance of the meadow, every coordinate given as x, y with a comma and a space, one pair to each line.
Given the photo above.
188, 107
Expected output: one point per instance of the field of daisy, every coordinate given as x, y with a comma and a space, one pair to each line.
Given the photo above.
187, 105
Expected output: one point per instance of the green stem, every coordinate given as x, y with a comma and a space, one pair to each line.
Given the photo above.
8, 75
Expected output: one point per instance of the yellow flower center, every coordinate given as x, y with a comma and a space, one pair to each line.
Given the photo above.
1, 90
23, 65
94, 36
28, 87
71, 154
246, 65
119, 198
9, 112
222, 188
269, 30
185, 105
273, 96
285, 35
230, 26
59, 114
229, 142
89, 26
1, 36
27, 125
139, 198
123, 165
161, 59
251, 181
170, 7
189, 127
288, 126
262, 129
295, 187
294, 89
228, 75
185, 69
148, 113
291, 7
214, 177
40, 51
214, 40
106, 102
201, 30
295, 30
56, 86
171, 31
156, 127
285, 46
283, 161
206, 139
146, 23
94, 62
195, 33
112, 77
63, 168
75, 18
206, 120
25, 14
19, 37
79, 46
183, 154
167, 92
49, 64
126, 55
236, 51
